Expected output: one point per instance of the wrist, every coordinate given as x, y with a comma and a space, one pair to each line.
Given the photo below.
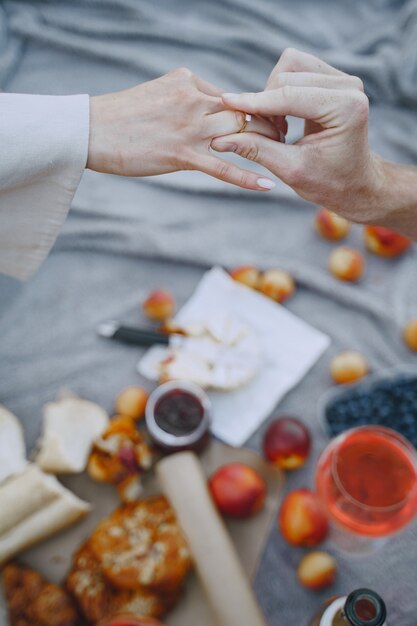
98, 158
394, 197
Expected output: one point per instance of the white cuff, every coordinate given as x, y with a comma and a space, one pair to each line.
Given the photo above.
43, 153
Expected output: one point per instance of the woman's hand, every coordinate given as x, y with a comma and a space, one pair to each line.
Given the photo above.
331, 164
167, 125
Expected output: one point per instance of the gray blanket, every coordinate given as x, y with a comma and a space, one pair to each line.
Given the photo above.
124, 237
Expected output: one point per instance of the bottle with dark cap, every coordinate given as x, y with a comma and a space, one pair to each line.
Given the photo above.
362, 607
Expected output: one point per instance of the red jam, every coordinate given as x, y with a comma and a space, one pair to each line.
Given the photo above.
178, 412
178, 416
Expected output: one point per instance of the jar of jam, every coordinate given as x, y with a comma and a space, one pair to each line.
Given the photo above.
178, 416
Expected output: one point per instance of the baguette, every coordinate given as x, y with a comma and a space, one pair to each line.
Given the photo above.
220, 572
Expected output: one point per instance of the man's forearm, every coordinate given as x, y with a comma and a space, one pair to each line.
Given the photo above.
396, 197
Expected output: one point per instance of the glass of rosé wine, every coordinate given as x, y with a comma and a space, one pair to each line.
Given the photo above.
366, 480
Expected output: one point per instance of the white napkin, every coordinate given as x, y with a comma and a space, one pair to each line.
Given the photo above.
289, 348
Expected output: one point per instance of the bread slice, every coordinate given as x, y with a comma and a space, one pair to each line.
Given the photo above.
12, 444
34, 506
70, 427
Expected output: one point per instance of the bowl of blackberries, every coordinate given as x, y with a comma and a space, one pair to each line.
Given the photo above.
388, 398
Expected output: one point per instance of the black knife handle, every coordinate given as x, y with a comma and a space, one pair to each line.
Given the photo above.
139, 336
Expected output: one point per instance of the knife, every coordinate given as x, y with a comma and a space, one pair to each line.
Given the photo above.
113, 329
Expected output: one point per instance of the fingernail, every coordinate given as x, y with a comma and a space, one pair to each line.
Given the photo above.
281, 136
230, 96
265, 183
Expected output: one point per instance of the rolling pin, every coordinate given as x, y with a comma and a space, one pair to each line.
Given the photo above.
221, 574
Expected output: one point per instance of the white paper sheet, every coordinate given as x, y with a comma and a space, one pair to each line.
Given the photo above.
289, 348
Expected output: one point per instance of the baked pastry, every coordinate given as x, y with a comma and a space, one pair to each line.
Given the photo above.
98, 600
119, 457
141, 546
33, 601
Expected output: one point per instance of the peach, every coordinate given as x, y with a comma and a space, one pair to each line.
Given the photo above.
238, 490
247, 275
317, 570
131, 402
385, 242
330, 225
159, 305
301, 519
347, 367
277, 284
346, 264
287, 443
410, 334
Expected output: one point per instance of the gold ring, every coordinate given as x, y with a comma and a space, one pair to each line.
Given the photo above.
248, 118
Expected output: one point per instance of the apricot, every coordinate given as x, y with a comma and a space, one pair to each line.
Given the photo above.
385, 242
410, 334
159, 305
347, 367
346, 264
330, 225
131, 402
277, 284
301, 519
317, 570
287, 443
238, 490
247, 275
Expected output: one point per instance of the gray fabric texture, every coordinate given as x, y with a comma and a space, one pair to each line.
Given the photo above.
124, 237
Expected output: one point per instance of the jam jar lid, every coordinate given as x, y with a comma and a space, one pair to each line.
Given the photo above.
160, 418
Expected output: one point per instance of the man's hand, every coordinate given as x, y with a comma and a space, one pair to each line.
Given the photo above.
331, 164
166, 125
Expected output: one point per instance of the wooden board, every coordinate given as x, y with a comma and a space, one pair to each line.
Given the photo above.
53, 557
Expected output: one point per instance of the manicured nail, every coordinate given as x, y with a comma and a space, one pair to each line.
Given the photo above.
230, 96
265, 183
281, 136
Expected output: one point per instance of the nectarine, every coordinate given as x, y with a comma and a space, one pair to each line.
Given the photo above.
330, 225
277, 284
287, 443
317, 570
346, 264
385, 242
301, 519
159, 305
238, 490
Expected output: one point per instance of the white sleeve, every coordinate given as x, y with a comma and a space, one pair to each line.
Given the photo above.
43, 153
